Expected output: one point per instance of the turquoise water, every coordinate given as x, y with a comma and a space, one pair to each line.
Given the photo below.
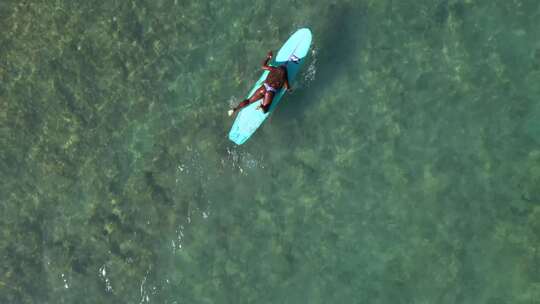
404, 168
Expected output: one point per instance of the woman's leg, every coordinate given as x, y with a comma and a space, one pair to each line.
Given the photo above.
259, 93
267, 101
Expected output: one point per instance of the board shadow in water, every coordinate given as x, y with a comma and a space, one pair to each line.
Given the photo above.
337, 44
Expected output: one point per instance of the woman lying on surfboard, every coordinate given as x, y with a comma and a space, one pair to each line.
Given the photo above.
276, 79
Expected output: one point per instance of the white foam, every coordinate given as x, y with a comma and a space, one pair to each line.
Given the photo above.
243, 161
311, 71
232, 101
103, 275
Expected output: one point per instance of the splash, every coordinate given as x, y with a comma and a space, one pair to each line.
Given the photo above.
103, 274
243, 161
145, 298
64, 279
311, 71
176, 244
232, 101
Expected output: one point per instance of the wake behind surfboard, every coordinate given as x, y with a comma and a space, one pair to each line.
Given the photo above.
293, 53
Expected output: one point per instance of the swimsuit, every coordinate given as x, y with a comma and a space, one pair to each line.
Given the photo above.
269, 88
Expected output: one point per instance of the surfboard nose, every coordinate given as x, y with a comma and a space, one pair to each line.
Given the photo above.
305, 30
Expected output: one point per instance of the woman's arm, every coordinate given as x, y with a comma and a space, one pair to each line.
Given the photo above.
265, 65
286, 84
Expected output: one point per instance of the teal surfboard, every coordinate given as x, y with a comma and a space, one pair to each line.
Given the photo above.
293, 53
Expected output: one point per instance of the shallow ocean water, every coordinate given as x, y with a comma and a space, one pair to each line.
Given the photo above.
404, 168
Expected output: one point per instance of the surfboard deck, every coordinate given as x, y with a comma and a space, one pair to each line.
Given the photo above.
249, 119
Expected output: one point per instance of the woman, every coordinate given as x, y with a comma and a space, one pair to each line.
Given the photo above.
276, 79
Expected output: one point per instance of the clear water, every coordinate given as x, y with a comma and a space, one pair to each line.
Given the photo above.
405, 167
